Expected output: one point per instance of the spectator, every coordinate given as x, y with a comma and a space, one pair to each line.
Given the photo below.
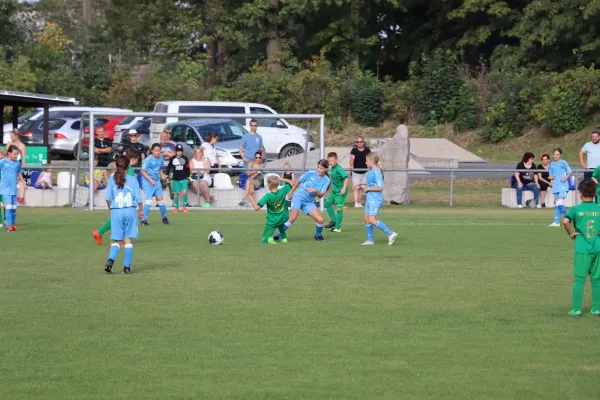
133, 143
45, 179
167, 150
252, 143
527, 180
210, 152
15, 140
593, 155
287, 174
544, 178
201, 179
100, 177
102, 148
358, 160
253, 181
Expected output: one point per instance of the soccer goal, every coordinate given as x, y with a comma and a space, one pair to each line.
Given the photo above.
228, 184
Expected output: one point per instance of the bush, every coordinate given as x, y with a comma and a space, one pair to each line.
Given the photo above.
466, 108
362, 95
560, 111
436, 87
398, 100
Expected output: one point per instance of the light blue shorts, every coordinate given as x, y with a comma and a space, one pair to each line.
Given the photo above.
560, 195
151, 191
372, 208
123, 223
304, 205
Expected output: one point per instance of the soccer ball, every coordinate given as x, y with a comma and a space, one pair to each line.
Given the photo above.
216, 238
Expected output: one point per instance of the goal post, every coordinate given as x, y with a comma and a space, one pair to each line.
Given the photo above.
92, 116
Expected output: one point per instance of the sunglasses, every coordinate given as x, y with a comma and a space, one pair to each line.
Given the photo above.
258, 158
359, 141
254, 126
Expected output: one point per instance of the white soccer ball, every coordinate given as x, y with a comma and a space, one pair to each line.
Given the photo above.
216, 238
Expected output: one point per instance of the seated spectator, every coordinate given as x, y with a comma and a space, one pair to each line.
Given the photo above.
253, 180
100, 177
132, 137
544, 178
201, 179
526, 180
287, 174
44, 181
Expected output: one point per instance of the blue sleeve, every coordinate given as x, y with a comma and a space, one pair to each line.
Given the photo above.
304, 177
379, 177
261, 142
147, 161
567, 168
19, 168
324, 184
244, 139
110, 195
137, 196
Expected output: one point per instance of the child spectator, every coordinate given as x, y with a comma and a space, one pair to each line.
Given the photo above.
100, 177
179, 165
45, 179
585, 218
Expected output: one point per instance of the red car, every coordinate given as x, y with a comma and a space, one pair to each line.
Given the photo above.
108, 123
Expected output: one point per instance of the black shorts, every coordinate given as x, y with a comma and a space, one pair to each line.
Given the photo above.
544, 186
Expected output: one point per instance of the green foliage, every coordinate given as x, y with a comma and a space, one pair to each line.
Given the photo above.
436, 83
398, 100
362, 96
466, 108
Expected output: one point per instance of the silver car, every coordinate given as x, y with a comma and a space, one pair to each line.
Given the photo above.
64, 137
192, 133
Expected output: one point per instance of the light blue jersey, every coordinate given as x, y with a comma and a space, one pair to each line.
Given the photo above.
152, 166
312, 180
375, 180
559, 169
10, 171
123, 201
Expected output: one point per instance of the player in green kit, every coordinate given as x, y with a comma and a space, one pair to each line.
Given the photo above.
277, 210
585, 218
596, 178
134, 157
338, 194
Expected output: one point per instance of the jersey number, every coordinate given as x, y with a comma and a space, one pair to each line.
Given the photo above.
590, 230
179, 167
123, 201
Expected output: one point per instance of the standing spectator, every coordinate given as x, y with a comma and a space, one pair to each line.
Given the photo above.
15, 140
210, 152
102, 148
593, 155
179, 166
527, 180
167, 151
358, 160
252, 143
544, 178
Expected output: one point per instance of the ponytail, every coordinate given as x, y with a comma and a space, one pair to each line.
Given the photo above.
120, 175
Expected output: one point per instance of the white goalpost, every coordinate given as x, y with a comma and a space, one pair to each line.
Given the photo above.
92, 116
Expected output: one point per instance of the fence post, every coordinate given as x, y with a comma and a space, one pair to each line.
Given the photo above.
576, 187
451, 188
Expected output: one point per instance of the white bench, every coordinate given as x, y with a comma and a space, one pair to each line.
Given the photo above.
509, 198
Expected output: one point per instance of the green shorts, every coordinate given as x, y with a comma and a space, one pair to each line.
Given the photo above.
179, 186
338, 200
585, 264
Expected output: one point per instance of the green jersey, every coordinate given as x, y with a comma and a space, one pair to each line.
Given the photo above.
338, 175
586, 219
277, 211
131, 171
596, 175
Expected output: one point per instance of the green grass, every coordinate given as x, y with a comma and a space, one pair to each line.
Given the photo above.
468, 304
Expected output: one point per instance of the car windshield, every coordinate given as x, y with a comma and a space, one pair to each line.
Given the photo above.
226, 131
127, 120
26, 117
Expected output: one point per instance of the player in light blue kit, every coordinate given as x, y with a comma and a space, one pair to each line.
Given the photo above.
122, 197
311, 185
11, 171
152, 174
374, 191
560, 172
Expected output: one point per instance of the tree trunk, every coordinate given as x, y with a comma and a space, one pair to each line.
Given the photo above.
222, 54
211, 56
355, 22
274, 41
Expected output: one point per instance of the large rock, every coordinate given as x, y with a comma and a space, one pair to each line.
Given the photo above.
395, 153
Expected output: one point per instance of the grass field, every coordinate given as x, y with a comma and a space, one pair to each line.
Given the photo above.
468, 304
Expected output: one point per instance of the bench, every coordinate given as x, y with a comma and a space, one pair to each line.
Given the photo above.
509, 198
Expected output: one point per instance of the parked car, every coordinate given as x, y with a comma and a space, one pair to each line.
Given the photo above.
64, 138
192, 133
109, 124
281, 139
32, 132
126, 124
141, 125
67, 112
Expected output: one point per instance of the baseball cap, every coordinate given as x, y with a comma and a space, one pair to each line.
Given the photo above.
132, 132
179, 148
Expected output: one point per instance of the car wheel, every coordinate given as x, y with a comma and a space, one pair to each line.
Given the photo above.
84, 154
290, 150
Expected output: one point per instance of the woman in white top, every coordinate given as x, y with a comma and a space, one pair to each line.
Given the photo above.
210, 152
253, 181
201, 179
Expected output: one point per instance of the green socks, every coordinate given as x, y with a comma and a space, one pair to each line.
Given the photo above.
578, 288
104, 228
176, 202
330, 211
339, 219
185, 199
595, 294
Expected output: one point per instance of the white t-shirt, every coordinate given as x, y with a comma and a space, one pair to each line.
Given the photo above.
210, 152
593, 154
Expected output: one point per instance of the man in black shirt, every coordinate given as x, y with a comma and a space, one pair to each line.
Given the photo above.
358, 161
179, 165
102, 148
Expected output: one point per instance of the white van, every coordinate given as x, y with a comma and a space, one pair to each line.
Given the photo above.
57, 112
281, 139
